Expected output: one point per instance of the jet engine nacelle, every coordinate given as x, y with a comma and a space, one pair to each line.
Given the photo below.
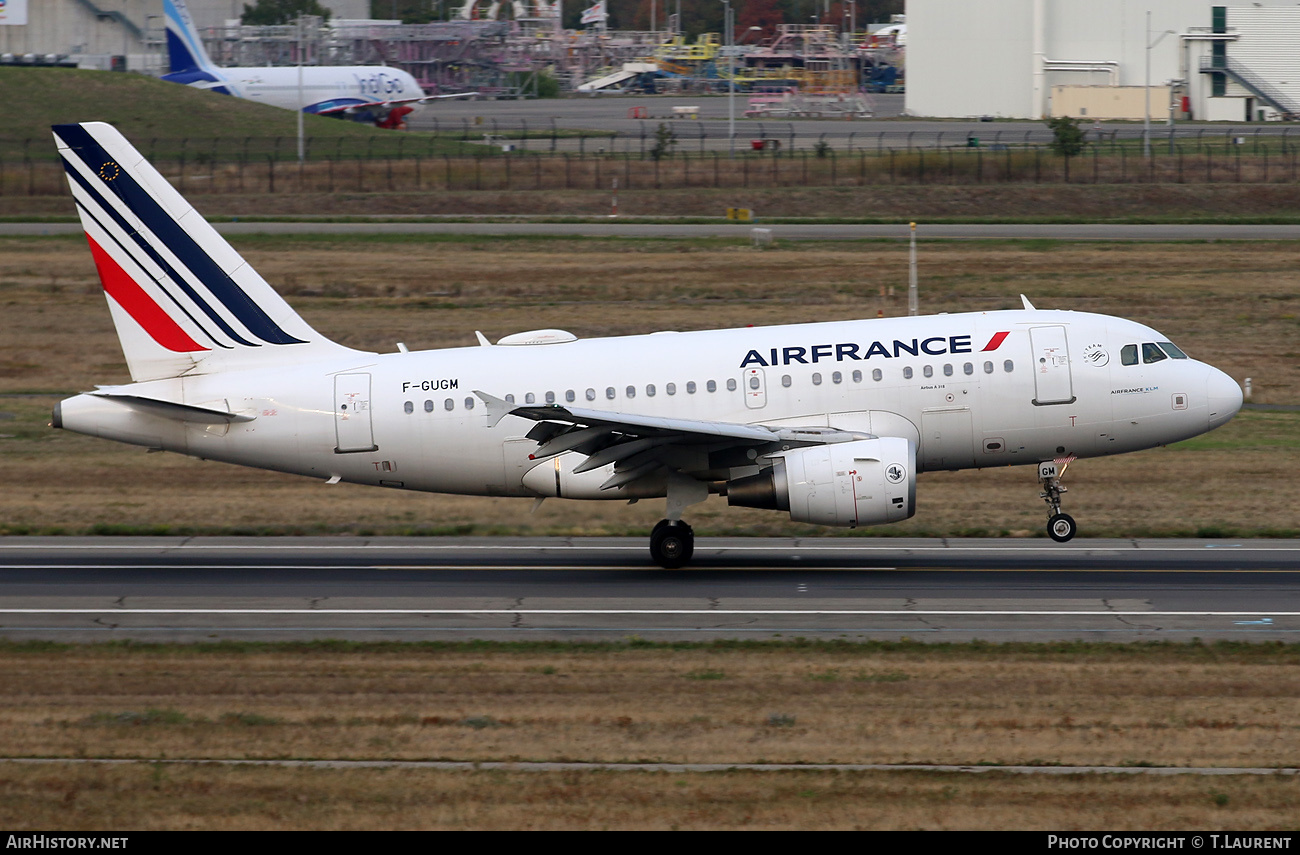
864, 482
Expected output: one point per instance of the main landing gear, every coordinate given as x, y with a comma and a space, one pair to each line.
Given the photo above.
1060, 527
672, 543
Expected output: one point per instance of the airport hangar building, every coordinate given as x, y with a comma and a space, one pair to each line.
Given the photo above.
1209, 60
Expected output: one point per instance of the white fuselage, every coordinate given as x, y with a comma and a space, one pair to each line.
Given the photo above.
322, 86
1053, 385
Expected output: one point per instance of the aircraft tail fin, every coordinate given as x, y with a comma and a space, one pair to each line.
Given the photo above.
185, 50
183, 300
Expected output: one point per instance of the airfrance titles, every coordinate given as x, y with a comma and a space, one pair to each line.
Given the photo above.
813, 354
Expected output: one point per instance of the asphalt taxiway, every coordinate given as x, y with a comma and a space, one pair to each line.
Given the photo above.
176, 589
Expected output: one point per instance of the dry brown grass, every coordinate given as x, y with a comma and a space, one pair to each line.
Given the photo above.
1173, 706
1232, 304
223, 798
1183, 707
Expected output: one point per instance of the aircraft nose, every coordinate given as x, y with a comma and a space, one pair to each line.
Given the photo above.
1224, 397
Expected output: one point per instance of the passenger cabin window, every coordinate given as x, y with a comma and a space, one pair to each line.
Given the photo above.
570, 396
670, 388
927, 371
1170, 348
907, 373
591, 394
428, 405
817, 378
469, 403
631, 391
550, 397
712, 386
610, 392
988, 367
650, 390
1128, 354
1008, 366
690, 387
731, 384
786, 381
947, 369
530, 398
409, 407
837, 377
449, 405
1151, 352
876, 374
968, 368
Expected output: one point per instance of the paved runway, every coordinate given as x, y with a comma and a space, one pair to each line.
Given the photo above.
606, 588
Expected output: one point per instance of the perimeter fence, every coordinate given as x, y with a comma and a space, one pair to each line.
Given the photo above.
414, 163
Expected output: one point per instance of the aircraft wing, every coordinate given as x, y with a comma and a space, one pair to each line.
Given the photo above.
637, 443
393, 102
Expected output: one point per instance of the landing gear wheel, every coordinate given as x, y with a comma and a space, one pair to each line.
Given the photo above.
1061, 527
672, 543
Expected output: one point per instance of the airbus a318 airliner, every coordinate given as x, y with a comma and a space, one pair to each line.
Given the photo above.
828, 422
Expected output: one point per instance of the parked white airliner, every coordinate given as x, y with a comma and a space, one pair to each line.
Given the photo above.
829, 422
370, 92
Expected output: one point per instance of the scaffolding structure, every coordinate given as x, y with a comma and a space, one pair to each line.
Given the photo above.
499, 56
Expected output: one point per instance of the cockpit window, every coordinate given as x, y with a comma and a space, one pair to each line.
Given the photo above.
1128, 354
1151, 352
1172, 349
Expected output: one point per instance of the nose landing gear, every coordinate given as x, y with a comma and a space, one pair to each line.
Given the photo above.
1060, 527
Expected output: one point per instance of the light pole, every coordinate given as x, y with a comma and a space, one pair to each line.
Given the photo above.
301, 147
731, 78
1146, 118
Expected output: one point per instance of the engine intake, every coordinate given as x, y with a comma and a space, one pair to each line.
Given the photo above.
864, 482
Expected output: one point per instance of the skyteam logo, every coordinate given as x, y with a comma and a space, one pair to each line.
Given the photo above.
854, 351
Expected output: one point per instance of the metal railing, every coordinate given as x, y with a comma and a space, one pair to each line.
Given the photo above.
1257, 85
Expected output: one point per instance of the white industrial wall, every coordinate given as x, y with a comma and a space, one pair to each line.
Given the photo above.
968, 58
1268, 43
71, 27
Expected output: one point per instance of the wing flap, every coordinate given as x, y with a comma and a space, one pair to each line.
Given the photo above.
639, 445
628, 423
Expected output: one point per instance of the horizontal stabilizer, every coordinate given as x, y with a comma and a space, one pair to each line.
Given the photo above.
177, 412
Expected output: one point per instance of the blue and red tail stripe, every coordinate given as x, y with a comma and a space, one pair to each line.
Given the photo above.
169, 234
140, 306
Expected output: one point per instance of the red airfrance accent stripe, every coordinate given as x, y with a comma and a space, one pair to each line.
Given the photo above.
139, 305
996, 341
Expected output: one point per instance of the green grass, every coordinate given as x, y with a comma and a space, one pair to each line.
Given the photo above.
166, 120
1251, 429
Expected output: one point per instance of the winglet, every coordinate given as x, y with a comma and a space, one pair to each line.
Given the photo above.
497, 409
482, 339
1028, 305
